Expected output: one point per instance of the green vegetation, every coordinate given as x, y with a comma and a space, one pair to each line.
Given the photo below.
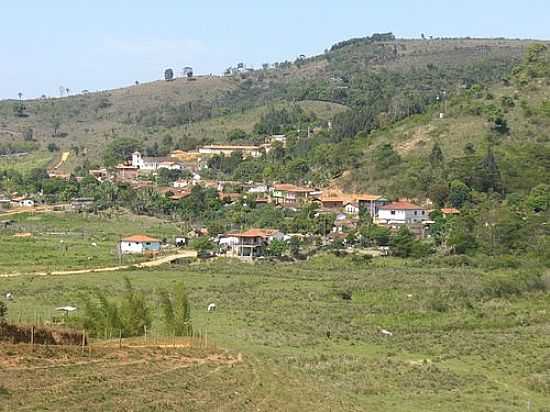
465, 335
65, 241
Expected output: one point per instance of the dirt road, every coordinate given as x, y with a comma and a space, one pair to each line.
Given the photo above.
149, 264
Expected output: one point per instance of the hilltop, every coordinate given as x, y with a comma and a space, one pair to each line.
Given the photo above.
382, 74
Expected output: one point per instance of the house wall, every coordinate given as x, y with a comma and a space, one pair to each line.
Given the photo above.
403, 216
138, 247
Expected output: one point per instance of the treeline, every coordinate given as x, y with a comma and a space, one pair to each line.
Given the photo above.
376, 37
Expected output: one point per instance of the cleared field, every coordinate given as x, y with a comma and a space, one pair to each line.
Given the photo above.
25, 163
463, 338
63, 241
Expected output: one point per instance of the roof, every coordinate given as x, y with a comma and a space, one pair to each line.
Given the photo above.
287, 187
140, 239
230, 147
264, 233
339, 196
401, 206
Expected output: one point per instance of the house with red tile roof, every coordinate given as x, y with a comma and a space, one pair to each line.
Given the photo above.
402, 212
139, 244
286, 194
251, 243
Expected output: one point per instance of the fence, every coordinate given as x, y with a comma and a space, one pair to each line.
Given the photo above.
43, 335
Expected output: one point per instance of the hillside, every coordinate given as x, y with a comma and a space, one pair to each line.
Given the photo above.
384, 75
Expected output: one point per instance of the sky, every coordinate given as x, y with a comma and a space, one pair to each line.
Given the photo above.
101, 44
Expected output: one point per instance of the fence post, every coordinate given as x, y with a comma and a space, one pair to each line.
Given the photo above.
206, 338
120, 338
83, 340
32, 338
145, 331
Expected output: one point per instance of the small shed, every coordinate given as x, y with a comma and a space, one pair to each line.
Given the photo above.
139, 244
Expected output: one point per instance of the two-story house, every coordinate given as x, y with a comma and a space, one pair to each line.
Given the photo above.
402, 213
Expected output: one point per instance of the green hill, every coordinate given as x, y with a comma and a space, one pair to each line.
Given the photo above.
379, 73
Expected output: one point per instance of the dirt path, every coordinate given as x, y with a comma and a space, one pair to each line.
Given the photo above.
39, 209
64, 158
150, 264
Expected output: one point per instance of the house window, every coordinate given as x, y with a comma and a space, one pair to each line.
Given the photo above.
393, 212
415, 212
423, 212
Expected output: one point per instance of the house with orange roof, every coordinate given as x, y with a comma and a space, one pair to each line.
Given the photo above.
139, 245
351, 203
450, 211
251, 243
286, 194
402, 212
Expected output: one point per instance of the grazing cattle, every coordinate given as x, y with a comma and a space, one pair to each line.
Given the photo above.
386, 332
212, 307
9, 296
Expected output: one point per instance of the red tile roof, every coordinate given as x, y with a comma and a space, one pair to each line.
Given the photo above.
265, 233
401, 206
140, 239
450, 211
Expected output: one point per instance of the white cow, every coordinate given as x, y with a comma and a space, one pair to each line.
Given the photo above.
212, 307
386, 332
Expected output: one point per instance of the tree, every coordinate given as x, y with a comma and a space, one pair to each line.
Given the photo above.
120, 150
202, 245
539, 198
488, 174
294, 246
436, 156
135, 313
459, 193
385, 156
237, 134
277, 248
52, 147
176, 312
402, 243
168, 75
3, 311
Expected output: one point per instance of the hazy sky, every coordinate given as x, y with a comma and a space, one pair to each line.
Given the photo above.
101, 44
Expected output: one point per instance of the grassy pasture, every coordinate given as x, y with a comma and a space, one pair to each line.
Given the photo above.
63, 241
463, 338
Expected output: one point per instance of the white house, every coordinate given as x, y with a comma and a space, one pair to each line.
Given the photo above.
139, 244
22, 202
402, 213
147, 163
352, 208
249, 244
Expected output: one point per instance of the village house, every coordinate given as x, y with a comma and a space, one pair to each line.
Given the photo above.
139, 245
83, 204
126, 172
450, 211
351, 203
250, 244
352, 208
276, 138
401, 212
227, 150
99, 174
22, 201
290, 195
152, 164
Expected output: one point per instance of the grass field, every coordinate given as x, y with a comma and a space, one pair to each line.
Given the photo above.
464, 338
64, 241
25, 163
